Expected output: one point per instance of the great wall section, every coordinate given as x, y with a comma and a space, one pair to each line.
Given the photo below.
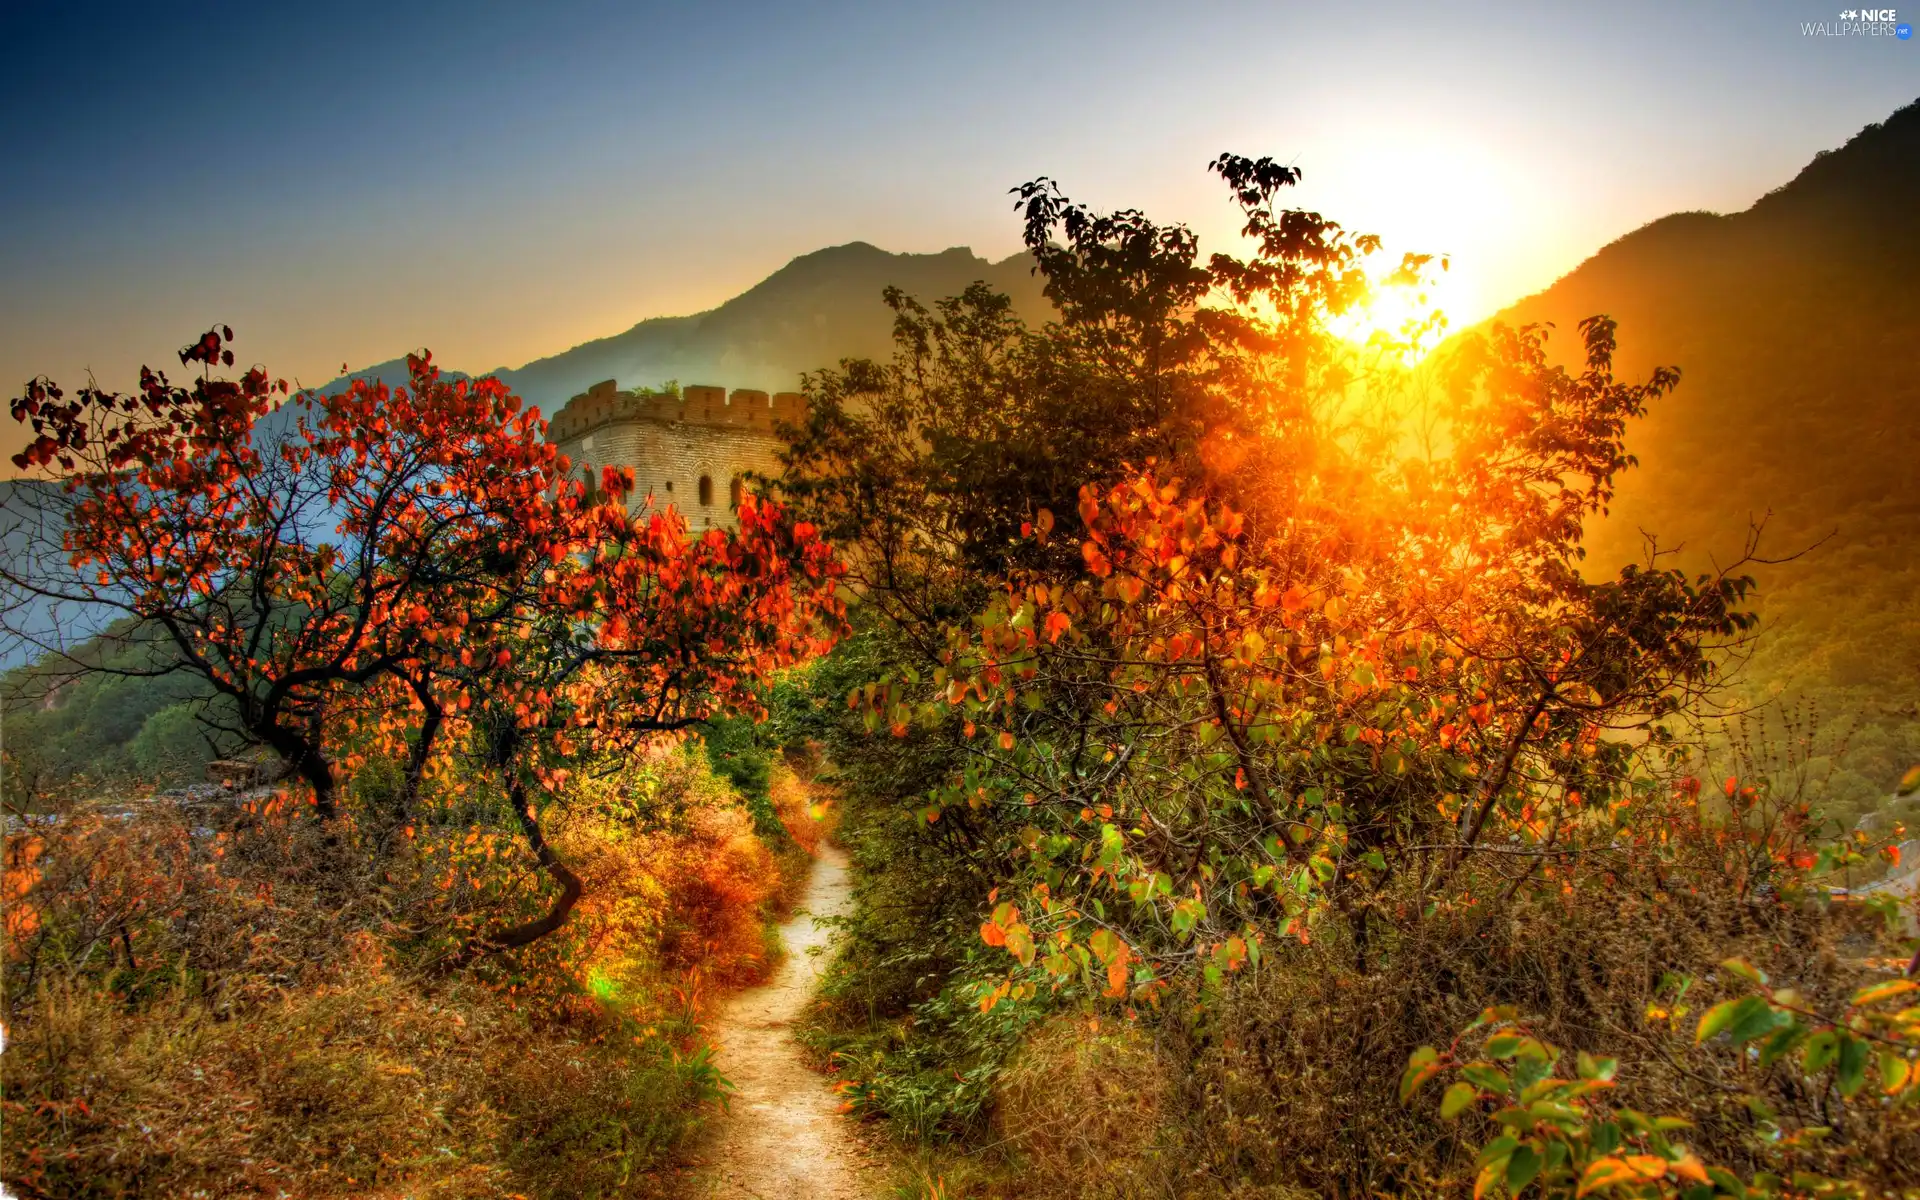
692, 450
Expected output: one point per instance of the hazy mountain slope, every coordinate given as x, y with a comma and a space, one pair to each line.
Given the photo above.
816, 310
30, 517
1797, 327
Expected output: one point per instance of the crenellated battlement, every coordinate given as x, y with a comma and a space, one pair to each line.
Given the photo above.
744, 409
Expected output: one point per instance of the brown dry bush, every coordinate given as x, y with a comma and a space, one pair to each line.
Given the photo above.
361, 1085
691, 884
1283, 1083
1282, 1080
797, 797
278, 1026
1087, 1103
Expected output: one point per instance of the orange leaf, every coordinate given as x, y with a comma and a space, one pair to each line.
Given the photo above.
1097, 561
1604, 1173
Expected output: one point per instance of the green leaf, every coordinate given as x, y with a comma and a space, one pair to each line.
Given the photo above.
1741, 1020
1557, 1155
1513, 1117
1822, 1049
1851, 1073
1423, 1064
1497, 1149
1745, 970
1604, 1173
1530, 1068
1548, 1110
1781, 1043
1020, 943
1522, 1168
1717, 1018
1760, 1021
1597, 1068
1894, 1069
1606, 1137
1487, 1076
1456, 1100
1186, 913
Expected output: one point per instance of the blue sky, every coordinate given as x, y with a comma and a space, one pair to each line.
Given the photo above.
344, 182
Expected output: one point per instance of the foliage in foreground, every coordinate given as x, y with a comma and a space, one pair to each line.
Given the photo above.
1556, 1129
193, 1011
1232, 716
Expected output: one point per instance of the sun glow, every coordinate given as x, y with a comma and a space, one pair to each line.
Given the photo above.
1404, 319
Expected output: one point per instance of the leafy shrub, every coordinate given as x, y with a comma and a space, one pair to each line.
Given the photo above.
1257, 690
1562, 1133
252, 1010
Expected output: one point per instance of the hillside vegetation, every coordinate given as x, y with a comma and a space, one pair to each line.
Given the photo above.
457, 939
1255, 792
1796, 325
1269, 769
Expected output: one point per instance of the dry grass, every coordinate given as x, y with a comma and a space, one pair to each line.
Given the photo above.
280, 1031
1283, 1083
1087, 1102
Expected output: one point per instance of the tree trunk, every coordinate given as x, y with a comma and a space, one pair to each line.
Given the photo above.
402, 808
1491, 794
417, 759
530, 931
309, 762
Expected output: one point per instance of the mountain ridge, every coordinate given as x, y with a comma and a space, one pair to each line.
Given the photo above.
816, 309
1796, 325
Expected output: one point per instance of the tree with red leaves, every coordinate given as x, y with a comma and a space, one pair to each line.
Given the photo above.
411, 562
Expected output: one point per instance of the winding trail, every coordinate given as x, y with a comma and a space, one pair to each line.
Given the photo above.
782, 1138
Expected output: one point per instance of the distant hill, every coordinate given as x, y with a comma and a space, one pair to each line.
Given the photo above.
811, 313
1797, 328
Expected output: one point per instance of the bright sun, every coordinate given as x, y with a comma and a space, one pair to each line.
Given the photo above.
1407, 320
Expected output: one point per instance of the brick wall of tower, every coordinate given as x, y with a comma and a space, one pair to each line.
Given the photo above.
672, 442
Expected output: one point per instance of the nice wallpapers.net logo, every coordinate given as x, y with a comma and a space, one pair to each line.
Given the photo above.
1861, 22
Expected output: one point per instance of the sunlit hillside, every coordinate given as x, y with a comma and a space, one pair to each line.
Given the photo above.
1797, 327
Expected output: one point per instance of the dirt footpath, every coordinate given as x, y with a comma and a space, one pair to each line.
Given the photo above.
783, 1139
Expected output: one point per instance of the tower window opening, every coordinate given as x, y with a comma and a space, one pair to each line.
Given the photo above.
706, 490
735, 492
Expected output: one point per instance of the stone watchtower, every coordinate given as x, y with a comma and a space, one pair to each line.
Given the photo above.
691, 451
